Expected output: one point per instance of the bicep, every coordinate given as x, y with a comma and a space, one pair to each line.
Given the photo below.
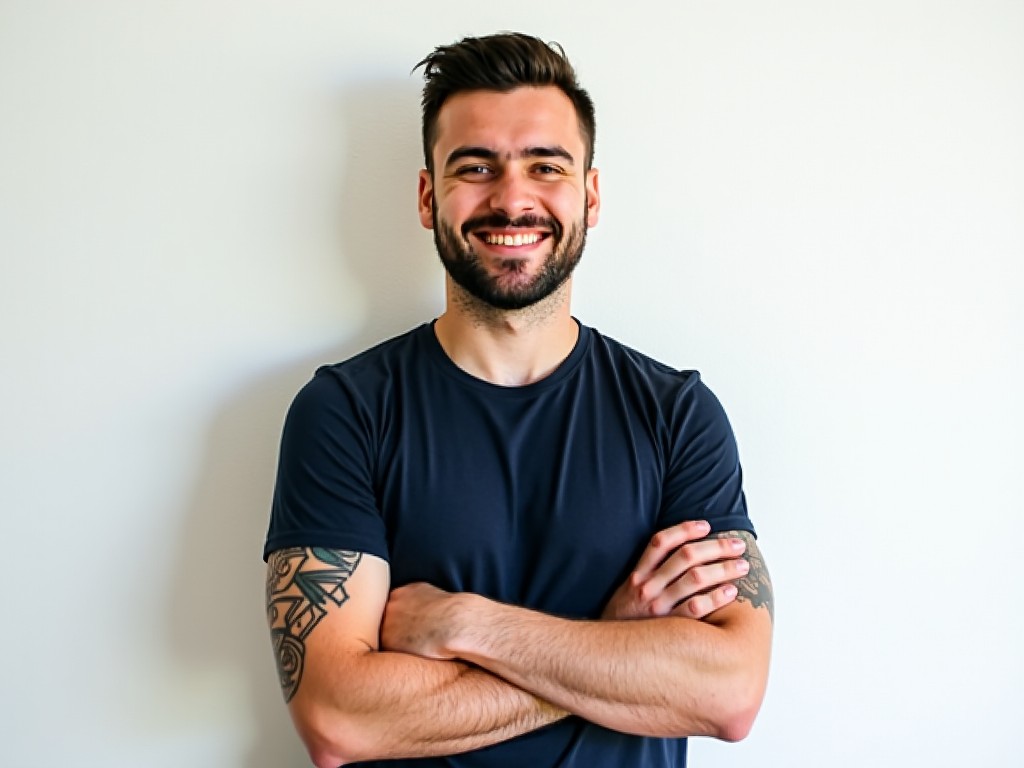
321, 605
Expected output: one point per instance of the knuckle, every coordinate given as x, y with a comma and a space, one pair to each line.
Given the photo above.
646, 592
687, 556
697, 578
696, 606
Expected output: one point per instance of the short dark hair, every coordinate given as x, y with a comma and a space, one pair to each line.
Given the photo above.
499, 62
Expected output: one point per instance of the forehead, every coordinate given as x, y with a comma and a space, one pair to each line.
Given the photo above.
506, 122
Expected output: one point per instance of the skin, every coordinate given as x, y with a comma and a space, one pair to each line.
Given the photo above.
501, 154
355, 695
681, 574
664, 676
682, 646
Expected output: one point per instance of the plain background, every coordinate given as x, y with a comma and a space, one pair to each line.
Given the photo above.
820, 205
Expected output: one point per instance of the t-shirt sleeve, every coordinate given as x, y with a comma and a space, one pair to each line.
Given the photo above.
704, 480
324, 494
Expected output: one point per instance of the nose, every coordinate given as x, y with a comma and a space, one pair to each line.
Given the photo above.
512, 194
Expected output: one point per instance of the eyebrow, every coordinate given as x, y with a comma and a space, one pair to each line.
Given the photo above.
490, 154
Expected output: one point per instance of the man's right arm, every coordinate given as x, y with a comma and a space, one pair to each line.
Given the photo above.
352, 702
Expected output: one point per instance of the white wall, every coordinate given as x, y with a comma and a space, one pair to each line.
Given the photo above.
820, 205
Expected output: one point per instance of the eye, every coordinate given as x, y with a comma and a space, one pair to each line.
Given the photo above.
547, 169
473, 171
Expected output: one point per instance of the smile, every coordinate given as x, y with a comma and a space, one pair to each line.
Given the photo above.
518, 239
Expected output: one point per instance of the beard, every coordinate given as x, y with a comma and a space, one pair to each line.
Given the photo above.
504, 291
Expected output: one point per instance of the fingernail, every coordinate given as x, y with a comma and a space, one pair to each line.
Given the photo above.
729, 590
742, 566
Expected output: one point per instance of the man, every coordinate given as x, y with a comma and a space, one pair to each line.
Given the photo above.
503, 537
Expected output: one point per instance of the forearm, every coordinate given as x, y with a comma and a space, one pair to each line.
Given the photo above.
352, 702
389, 705
662, 677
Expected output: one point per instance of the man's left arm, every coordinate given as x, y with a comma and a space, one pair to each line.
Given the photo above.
666, 676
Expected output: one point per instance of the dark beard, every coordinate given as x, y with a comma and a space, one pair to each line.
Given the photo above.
464, 267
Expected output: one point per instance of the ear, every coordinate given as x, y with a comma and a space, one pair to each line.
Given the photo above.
425, 198
593, 198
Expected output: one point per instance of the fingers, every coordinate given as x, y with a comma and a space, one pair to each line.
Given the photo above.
663, 543
699, 582
685, 561
681, 572
699, 606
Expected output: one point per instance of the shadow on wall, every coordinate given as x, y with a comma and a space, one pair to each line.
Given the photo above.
217, 622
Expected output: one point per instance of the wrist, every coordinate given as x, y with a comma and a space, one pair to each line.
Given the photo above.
472, 616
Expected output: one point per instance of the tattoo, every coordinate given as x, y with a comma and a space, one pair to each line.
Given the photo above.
302, 585
756, 586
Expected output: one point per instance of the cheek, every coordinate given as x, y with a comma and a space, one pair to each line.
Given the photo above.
458, 207
569, 206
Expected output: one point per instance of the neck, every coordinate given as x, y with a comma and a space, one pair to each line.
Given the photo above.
510, 348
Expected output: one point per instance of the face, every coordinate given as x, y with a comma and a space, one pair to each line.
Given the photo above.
510, 199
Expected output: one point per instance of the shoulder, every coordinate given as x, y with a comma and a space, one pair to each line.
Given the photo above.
368, 372
636, 368
674, 397
355, 390
386, 359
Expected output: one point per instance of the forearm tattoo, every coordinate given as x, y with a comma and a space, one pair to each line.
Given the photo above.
302, 585
756, 587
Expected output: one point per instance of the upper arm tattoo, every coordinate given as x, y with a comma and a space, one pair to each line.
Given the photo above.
756, 587
302, 585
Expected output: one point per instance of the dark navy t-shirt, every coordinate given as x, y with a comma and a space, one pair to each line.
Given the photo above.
542, 496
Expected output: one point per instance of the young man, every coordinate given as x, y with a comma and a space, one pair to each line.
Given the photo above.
503, 537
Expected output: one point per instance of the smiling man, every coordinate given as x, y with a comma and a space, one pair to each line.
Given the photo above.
502, 262
504, 539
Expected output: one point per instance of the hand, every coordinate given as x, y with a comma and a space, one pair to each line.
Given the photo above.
419, 619
680, 574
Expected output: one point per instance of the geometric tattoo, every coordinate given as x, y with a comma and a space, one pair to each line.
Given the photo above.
302, 584
756, 586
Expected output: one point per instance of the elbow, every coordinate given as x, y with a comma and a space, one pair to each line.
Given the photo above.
725, 724
323, 757
727, 718
330, 742
326, 754
737, 726
736, 717
331, 753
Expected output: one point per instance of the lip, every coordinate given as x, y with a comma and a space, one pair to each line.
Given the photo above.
483, 235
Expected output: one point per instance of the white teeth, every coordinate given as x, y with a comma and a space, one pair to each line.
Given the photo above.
511, 240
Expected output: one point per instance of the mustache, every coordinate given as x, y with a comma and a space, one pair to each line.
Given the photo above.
499, 221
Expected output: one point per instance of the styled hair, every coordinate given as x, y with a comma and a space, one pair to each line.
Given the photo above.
500, 62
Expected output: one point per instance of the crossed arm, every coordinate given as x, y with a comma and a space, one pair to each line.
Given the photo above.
426, 672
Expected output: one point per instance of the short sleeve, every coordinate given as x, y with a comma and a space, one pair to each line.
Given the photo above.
704, 480
324, 493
